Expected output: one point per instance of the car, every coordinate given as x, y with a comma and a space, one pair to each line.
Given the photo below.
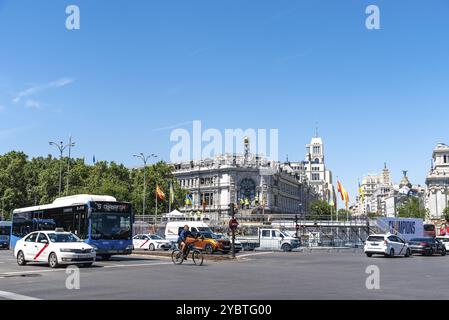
427, 246
445, 241
4, 242
151, 242
55, 248
207, 242
238, 245
389, 245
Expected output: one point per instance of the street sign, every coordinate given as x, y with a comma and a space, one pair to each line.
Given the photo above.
233, 224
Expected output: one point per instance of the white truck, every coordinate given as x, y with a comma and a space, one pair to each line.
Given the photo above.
270, 239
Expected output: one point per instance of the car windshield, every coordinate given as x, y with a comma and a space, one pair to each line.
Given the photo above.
375, 238
445, 240
155, 237
63, 237
204, 229
207, 235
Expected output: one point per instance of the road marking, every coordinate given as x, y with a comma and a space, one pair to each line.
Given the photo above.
254, 254
15, 296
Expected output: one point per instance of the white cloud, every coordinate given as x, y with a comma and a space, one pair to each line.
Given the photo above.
62, 82
32, 104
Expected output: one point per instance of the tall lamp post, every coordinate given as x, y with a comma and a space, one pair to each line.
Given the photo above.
61, 147
145, 160
70, 145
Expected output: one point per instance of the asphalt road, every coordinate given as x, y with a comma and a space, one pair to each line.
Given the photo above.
256, 276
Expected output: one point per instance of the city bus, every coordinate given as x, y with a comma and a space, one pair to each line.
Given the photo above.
100, 221
5, 232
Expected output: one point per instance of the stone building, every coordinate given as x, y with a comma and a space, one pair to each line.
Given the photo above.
438, 182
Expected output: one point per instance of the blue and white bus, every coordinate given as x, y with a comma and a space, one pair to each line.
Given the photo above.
5, 233
100, 221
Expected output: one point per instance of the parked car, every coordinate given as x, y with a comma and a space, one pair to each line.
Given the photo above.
445, 241
151, 242
55, 248
4, 242
427, 246
208, 243
238, 245
389, 245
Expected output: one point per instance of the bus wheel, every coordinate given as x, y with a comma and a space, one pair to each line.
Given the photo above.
106, 257
21, 259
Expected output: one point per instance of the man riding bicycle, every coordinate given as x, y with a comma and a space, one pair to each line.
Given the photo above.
182, 240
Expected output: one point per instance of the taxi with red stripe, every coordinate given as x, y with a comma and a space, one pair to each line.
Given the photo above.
55, 248
151, 242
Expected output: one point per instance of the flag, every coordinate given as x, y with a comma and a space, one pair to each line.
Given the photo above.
172, 193
362, 192
340, 190
344, 194
188, 201
159, 193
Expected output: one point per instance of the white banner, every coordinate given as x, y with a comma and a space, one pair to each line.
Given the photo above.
408, 228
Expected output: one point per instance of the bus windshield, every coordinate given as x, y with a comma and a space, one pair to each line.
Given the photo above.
111, 226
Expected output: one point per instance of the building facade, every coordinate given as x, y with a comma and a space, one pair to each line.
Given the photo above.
269, 187
314, 171
438, 182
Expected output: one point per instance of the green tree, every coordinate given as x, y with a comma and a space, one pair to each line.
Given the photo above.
320, 209
446, 213
412, 208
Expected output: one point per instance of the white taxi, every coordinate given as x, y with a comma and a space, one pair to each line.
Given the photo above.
55, 248
151, 242
389, 245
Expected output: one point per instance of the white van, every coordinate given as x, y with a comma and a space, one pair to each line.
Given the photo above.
172, 229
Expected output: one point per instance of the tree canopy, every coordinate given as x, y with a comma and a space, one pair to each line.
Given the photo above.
25, 182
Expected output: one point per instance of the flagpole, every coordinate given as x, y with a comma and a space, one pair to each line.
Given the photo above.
155, 217
169, 200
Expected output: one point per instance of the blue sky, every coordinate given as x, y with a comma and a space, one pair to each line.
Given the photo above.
136, 66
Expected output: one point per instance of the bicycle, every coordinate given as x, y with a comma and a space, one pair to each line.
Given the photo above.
197, 257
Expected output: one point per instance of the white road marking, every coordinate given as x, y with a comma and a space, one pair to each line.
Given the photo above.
254, 254
8, 274
15, 296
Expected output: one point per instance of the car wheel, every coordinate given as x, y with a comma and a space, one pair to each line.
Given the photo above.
21, 259
369, 255
443, 252
53, 260
408, 253
391, 254
286, 248
209, 249
151, 247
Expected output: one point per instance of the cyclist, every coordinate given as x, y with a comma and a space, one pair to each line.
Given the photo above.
182, 240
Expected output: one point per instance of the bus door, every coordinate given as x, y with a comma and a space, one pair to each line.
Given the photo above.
80, 224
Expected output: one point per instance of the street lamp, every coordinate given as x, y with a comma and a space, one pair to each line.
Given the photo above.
70, 145
145, 161
61, 147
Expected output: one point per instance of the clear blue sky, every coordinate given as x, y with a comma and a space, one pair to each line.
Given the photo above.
136, 66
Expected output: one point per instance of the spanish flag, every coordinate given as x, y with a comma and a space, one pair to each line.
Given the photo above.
344, 194
159, 193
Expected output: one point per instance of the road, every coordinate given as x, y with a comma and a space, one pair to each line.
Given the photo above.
256, 276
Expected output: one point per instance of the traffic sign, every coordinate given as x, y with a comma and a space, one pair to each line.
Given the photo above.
233, 224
